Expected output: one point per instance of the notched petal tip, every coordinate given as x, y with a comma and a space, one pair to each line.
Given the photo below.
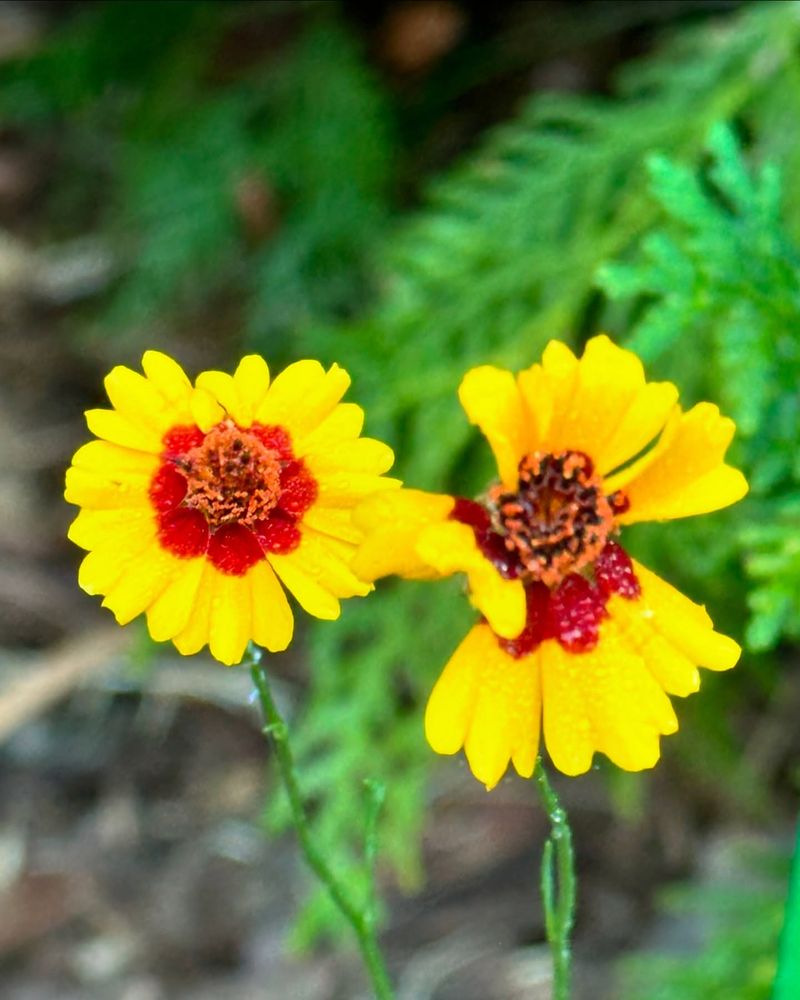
685, 473
340, 375
488, 703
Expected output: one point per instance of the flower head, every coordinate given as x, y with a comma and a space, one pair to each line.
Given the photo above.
575, 636
196, 500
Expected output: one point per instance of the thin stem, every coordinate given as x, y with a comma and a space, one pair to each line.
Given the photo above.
362, 920
548, 889
558, 885
787, 980
376, 793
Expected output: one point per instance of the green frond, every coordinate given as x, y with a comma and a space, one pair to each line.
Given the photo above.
720, 284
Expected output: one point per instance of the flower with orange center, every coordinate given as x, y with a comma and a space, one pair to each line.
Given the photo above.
197, 500
575, 637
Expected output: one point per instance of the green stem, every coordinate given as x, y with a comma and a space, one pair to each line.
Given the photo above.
787, 980
558, 885
362, 920
376, 793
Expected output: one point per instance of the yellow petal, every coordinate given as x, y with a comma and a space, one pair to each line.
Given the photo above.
312, 597
109, 561
450, 547
195, 634
627, 707
344, 423
489, 703
98, 490
138, 400
602, 404
337, 522
642, 421
100, 456
104, 475
502, 602
143, 579
221, 386
673, 670
537, 407
567, 729
242, 393
488, 743
301, 397
93, 529
392, 522
252, 381
206, 411
220, 616
560, 370
491, 400
395, 508
507, 718
170, 380
363, 455
684, 474
273, 622
169, 614
684, 624
602, 700
119, 429
588, 394
525, 749
452, 701
98, 571
342, 550
326, 561
231, 623
346, 489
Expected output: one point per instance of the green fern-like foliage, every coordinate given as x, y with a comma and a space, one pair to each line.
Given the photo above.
723, 284
177, 140
312, 138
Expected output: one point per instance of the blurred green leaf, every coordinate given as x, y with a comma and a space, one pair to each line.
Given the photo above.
737, 922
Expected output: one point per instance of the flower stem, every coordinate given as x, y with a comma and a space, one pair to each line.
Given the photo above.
360, 918
787, 980
558, 885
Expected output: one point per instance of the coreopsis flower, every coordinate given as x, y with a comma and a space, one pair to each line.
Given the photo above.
575, 637
198, 502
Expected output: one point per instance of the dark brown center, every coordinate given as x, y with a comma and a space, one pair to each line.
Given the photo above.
558, 520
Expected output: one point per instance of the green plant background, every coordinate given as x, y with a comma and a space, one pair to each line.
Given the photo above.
667, 213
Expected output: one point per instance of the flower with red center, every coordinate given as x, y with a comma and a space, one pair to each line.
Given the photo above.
197, 500
575, 637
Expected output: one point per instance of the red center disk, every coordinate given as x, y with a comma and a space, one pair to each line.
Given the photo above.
232, 494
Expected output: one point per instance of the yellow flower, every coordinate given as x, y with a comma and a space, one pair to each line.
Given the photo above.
197, 500
575, 637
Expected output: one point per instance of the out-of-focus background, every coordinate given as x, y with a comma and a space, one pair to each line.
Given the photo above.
407, 188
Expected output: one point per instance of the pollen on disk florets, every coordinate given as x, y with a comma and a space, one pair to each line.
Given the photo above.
558, 520
231, 493
232, 477
554, 534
